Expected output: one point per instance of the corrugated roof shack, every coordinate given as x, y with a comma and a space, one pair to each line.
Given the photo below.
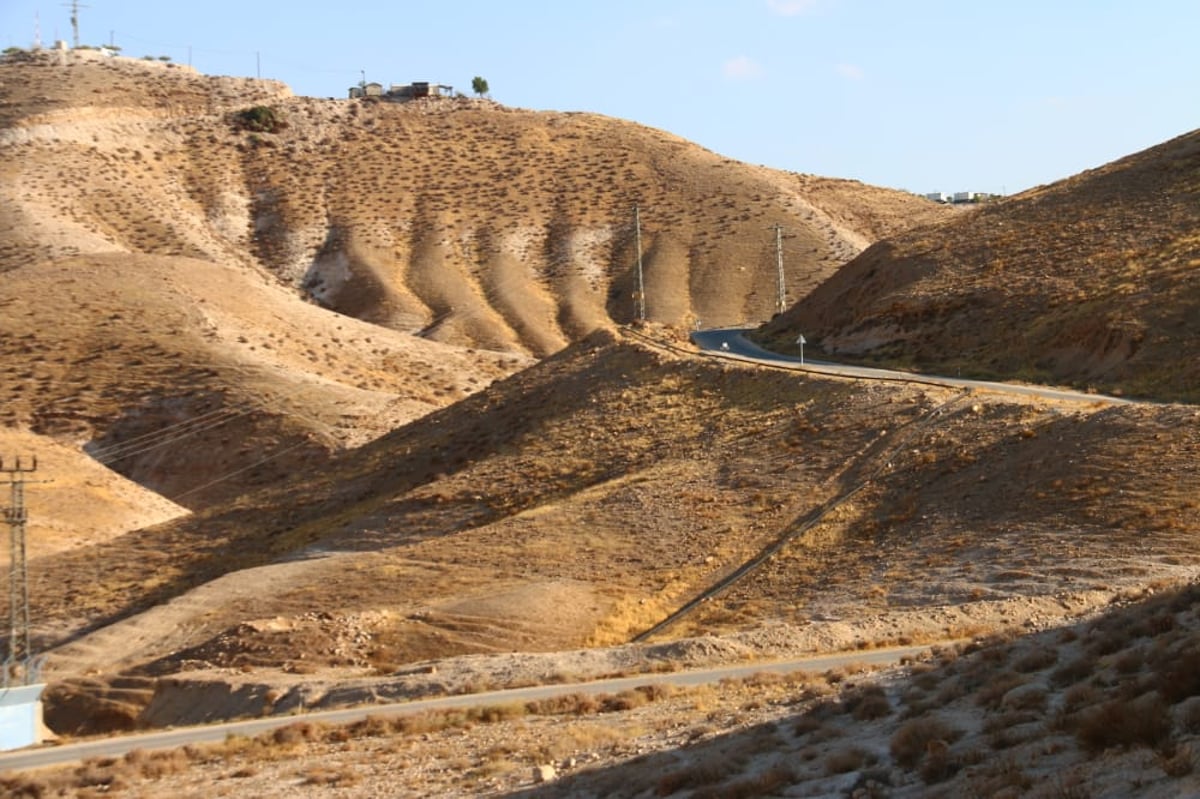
366, 90
402, 92
418, 90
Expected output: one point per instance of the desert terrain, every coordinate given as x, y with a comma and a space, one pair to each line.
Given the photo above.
356, 405
1090, 282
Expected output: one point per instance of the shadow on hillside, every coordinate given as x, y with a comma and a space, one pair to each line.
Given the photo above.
1109, 705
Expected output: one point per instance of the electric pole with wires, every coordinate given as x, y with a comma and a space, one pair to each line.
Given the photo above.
75, 5
18, 661
21, 713
641, 286
780, 287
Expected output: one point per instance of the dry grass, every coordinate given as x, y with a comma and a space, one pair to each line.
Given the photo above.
1116, 311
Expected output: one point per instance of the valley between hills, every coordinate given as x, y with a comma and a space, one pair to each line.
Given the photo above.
359, 406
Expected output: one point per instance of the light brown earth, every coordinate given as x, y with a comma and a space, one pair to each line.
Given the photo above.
165, 267
476, 460
1093, 281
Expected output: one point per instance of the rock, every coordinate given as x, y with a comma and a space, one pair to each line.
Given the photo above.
544, 773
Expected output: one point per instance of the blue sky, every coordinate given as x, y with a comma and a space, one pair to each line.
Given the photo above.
923, 95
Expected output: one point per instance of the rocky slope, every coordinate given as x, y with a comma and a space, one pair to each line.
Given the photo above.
281, 290
1090, 281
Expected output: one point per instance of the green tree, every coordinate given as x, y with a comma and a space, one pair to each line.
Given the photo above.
479, 86
260, 119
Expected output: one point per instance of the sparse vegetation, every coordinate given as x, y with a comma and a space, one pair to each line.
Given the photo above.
260, 119
569, 483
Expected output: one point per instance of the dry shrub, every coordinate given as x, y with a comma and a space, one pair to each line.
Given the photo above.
992, 693
1187, 714
576, 704
925, 677
23, 788
656, 692
626, 700
999, 777
492, 714
1036, 660
872, 707
846, 760
706, 772
159, 764
336, 778
1029, 697
1179, 674
912, 741
1072, 672
1003, 730
867, 703
769, 783
1143, 721
1179, 763
300, 732
1109, 640
939, 763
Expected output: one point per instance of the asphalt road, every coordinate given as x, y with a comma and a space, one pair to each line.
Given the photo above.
731, 343
54, 755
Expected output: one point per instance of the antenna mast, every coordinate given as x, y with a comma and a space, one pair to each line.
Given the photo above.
75, 6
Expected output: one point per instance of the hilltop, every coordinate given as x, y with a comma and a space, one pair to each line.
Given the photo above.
581, 501
1090, 281
305, 286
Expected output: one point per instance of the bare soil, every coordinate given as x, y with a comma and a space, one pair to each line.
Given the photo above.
349, 410
1090, 281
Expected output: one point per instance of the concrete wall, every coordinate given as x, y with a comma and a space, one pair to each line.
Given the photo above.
21, 716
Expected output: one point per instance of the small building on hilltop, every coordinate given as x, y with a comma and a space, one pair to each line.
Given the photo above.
366, 90
402, 92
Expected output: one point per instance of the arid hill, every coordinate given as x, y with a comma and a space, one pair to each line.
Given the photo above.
589, 497
209, 282
377, 358
1090, 281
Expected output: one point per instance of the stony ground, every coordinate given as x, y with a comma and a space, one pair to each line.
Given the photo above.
1105, 706
364, 500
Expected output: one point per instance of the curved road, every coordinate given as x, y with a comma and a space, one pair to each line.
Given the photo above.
50, 755
731, 343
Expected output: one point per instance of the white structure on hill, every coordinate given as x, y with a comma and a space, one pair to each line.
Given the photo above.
401, 92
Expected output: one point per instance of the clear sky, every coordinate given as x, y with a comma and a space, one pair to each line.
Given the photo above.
923, 95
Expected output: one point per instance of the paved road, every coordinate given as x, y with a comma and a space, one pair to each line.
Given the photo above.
731, 343
50, 755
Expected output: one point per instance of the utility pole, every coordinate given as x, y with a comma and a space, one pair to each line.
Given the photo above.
781, 303
641, 288
75, 6
20, 652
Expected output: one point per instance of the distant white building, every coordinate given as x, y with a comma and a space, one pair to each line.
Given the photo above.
938, 196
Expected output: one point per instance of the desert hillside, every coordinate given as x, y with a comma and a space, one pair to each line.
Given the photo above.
590, 497
206, 306
345, 401
1090, 281
462, 219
